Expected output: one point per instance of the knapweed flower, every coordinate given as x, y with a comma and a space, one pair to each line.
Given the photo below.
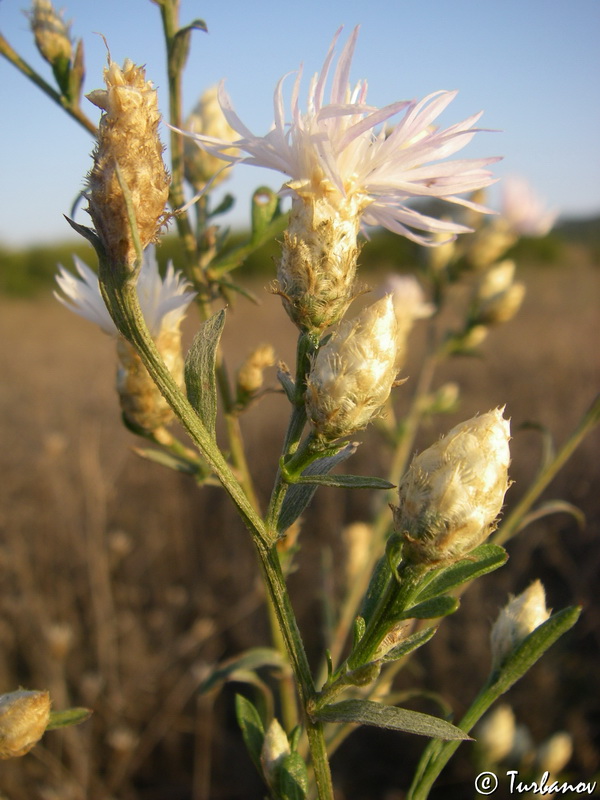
346, 166
207, 119
163, 304
519, 617
353, 373
24, 716
51, 33
453, 492
127, 137
523, 211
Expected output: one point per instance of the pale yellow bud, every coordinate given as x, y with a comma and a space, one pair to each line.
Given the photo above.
357, 539
250, 374
452, 493
439, 257
498, 297
353, 373
208, 119
24, 716
275, 748
127, 136
489, 244
496, 733
59, 636
410, 305
520, 617
474, 337
554, 754
51, 32
317, 270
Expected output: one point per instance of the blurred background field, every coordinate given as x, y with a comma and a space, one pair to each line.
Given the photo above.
121, 583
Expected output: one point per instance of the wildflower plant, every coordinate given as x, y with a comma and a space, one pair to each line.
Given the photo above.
346, 165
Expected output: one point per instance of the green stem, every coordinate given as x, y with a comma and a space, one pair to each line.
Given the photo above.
512, 523
72, 110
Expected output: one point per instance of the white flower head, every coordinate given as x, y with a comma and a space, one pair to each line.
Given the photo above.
453, 492
163, 301
523, 211
345, 151
519, 617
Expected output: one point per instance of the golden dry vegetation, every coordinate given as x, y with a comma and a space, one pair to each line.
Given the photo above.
121, 583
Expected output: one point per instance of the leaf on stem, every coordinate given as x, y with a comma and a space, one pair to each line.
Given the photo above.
431, 609
299, 495
71, 716
366, 712
409, 644
250, 660
252, 727
485, 558
292, 777
199, 370
345, 481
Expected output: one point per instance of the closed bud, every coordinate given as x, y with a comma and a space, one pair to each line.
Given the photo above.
127, 137
489, 244
250, 374
353, 373
554, 754
410, 305
24, 716
452, 493
519, 617
498, 297
275, 748
496, 733
51, 33
207, 119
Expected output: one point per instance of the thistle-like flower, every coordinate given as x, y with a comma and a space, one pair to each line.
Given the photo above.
453, 492
519, 617
207, 119
24, 717
345, 168
353, 373
127, 139
163, 304
51, 33
523, 211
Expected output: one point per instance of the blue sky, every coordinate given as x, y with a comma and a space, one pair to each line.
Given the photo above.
532, 65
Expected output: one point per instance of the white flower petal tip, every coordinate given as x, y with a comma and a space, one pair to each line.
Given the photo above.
349, 149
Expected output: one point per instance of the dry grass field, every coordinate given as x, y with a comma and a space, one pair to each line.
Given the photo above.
121, 583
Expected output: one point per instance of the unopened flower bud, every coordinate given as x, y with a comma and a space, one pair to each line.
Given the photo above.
410, 305
127, 137
452, 493
438, 258
357, 539
250, 374
498, 297
316, 273
555, 753
353, 373
495, 734
519, 617
24, 716
275, 748
489, 244
51, 33
207, 118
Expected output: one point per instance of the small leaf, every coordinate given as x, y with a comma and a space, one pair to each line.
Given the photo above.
253, 730
299, 495
286, 380
366, 712
432, 609
292, 777
249, 660
199, 371
379, 580
169, 460
345, 481
409, 644
485, 558
225, 205
71, 716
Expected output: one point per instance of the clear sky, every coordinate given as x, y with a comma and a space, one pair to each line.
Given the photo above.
532, 65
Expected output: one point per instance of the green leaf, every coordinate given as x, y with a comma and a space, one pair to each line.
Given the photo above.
199, 370
299, 495
432, 609
485, 558
225, 205
169, 460
533, 647
233, 258
252, 727
366, 712
345, 481
265, 205
71, 716
379, 580
409, 644
249, 660
291, 777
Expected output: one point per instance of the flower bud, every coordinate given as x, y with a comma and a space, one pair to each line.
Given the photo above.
127, 137
523, 211
207, 119
498, 297
520, 617
250, 374
275, 748
453, 491
51, 33
555, 753
353, 373
24, 716
495, 734
357, 539
316, 273
410, 305
489, 244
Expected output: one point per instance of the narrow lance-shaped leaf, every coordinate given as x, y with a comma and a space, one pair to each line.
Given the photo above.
252, 659
409, 644
68, 717
199, 371
366, 712
253, 730
292, 777
485, 558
